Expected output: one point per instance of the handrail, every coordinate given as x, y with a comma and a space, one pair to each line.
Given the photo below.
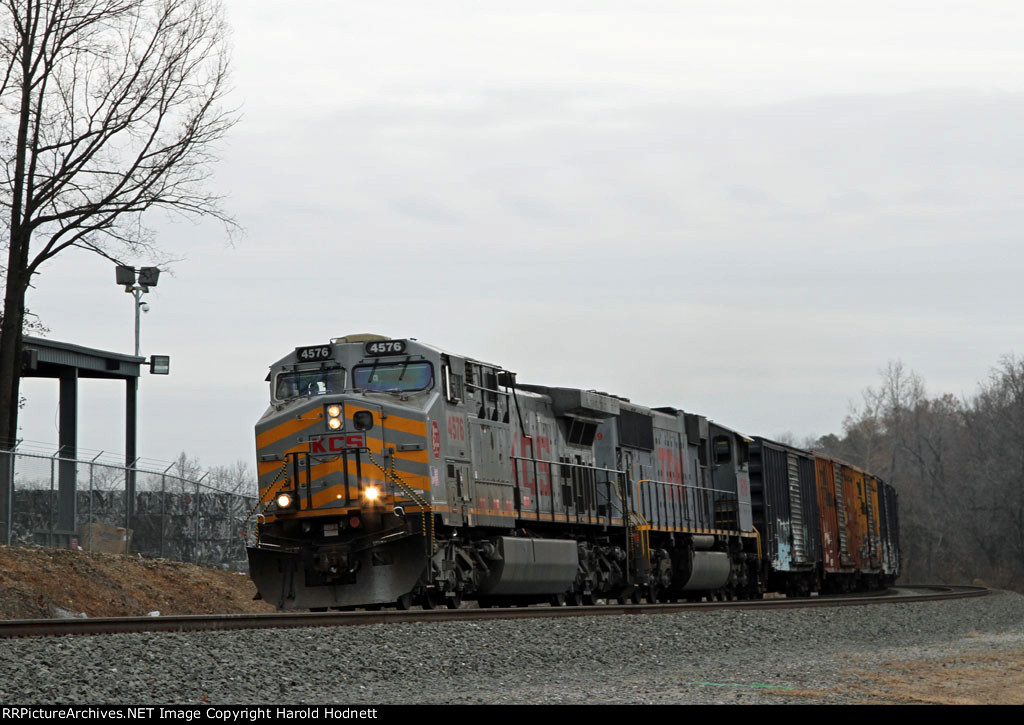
566, 463
687, 485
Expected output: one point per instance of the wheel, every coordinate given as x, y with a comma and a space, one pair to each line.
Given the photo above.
430, 599
454, 601
404, 602
558, 600
573, 599
589, 600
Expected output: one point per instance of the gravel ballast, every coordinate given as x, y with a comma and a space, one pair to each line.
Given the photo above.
700, 657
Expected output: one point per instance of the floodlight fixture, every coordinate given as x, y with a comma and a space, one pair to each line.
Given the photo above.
125, 275
148, 277
160, 364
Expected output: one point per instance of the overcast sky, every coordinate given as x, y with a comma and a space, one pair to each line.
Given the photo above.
743, 209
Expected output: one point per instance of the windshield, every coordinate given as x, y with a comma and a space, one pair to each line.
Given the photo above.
309, 382
405, 376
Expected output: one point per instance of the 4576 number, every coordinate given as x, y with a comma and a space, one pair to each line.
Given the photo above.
385, 347
316, 352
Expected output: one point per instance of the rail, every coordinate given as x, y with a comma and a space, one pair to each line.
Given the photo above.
200, 623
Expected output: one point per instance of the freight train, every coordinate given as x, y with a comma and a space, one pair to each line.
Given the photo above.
395, 473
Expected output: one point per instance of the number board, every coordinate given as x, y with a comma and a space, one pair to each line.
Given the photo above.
386, 347
314, 353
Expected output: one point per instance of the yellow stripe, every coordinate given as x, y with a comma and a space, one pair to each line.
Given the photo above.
412, 456
406, 425
369, 470
331, 494
352, 408
391, 421
323, 499
371, 474
290, 427
491, 512
265, 467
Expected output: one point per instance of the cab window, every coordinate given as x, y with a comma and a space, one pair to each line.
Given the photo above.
393, 377
300, 383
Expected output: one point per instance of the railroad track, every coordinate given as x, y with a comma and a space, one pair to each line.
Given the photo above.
221, 622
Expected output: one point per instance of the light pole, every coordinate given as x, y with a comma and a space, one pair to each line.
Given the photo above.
147, 277
126, 277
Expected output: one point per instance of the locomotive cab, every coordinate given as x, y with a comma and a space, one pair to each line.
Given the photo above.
343, 471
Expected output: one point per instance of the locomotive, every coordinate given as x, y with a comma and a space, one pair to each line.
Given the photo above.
395, 473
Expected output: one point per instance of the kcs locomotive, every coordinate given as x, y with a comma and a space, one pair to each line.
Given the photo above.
394, 473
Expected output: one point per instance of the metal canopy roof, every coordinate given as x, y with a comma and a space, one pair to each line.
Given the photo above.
91, 363
69, 364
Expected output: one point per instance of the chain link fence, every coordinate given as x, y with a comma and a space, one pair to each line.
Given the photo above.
170, 517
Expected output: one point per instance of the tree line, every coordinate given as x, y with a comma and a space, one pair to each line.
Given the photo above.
958, 467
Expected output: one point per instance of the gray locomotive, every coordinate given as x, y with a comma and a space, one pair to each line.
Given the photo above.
394, 473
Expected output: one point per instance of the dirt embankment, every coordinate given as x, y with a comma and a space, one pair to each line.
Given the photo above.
37, 583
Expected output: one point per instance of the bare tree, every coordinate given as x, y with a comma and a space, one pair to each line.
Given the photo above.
110, 108
238, 478
958, 466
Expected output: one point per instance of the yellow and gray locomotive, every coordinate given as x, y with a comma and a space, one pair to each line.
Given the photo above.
394, 473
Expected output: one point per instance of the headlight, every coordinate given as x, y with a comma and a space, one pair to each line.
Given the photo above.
333, 415
372, 493
284, 500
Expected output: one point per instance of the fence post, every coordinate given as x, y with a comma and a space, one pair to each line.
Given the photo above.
129, 493
196, 541
10, 494
92, 477
53, 503
195, 538
163, 507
